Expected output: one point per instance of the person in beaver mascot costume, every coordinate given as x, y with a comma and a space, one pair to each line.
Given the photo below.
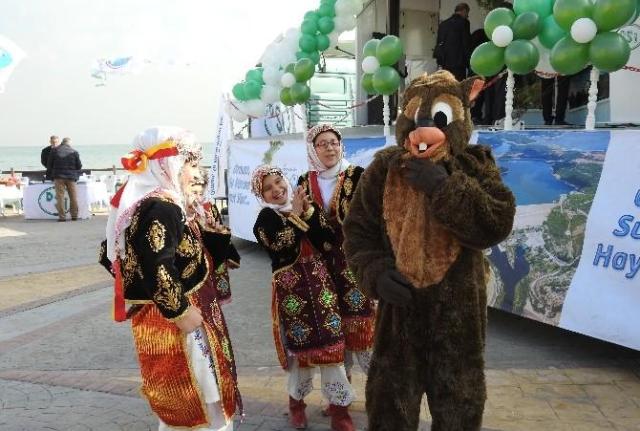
420, 217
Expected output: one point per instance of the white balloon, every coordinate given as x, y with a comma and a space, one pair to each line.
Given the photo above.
502, 36
356, 6
345, 23
292, 33
254, 108
370, 64
270, 94
272, 75
333, 38
235, 111
583, 30
343, 7
288, 80
544, 68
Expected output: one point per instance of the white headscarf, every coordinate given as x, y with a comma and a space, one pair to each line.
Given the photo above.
312, 155
257, 178
160, 177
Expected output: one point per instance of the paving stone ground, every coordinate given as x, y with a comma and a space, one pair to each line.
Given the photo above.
64, 365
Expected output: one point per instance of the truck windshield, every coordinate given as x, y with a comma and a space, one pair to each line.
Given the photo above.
328, 85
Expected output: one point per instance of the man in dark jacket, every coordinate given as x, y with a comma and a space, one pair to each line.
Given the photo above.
54, 141
64, 165
453, 46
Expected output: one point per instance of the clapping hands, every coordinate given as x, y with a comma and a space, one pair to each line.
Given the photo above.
301, 201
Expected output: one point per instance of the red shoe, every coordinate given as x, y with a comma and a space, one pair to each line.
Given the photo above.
297, 417
340, 419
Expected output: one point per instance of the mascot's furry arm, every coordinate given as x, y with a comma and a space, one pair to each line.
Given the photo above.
473, 203
366, 245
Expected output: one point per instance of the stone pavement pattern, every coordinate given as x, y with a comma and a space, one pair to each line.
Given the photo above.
64, 365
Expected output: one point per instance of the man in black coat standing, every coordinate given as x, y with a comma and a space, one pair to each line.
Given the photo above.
54, 141
453, 46
64, 165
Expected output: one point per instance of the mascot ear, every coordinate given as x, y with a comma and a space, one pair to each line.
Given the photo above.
472, 87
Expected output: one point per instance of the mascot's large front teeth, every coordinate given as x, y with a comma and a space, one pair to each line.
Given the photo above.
422, 147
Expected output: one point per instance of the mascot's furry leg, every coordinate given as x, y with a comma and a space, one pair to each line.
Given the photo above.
394, 389
433, 346
455, 383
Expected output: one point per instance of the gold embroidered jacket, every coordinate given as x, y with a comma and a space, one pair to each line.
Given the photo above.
164, 261
282, 236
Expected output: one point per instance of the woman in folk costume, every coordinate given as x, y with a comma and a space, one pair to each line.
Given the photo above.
161, 268
307, 326
331, 182
226, 255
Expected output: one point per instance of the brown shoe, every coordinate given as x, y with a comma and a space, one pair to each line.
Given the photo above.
297, 416
62, 219
340, 419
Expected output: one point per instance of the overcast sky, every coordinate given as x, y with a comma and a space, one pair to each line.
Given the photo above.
52, 91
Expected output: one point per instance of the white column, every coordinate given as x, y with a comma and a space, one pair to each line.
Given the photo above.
386, 115
305, 124
508, 108
590, 123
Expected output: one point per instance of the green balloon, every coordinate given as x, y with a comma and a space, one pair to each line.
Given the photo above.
521, 57
609, 52
309, 27
238, 92
326, 25
304, 70
289, 68
370, 48
613, 14
312, 15
323, 42
367, 83
389, 50
308, 43
327, 9
496, 18
313, 56
543, 8
551, 32
526, 26
487, 59
386, 80
300, 92
635, 15
285, 97
255, 75
569, 57
566, 12
252, 90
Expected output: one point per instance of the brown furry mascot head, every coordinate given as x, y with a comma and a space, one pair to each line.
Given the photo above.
435, 122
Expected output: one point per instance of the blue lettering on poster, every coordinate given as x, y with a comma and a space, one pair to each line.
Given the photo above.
608, 257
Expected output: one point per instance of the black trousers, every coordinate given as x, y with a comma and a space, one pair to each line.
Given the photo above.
494, 100
548, 93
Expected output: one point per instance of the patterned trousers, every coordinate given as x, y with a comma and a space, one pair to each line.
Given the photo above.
333, 378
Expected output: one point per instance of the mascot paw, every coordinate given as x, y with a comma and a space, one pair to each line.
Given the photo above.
394, 288
424, 175
472, 162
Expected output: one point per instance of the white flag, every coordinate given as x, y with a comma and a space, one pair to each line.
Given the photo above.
217, 186
10, 56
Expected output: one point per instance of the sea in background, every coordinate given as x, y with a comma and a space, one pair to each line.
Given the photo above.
27, 158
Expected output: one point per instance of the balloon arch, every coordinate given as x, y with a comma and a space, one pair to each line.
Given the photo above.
556, 37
